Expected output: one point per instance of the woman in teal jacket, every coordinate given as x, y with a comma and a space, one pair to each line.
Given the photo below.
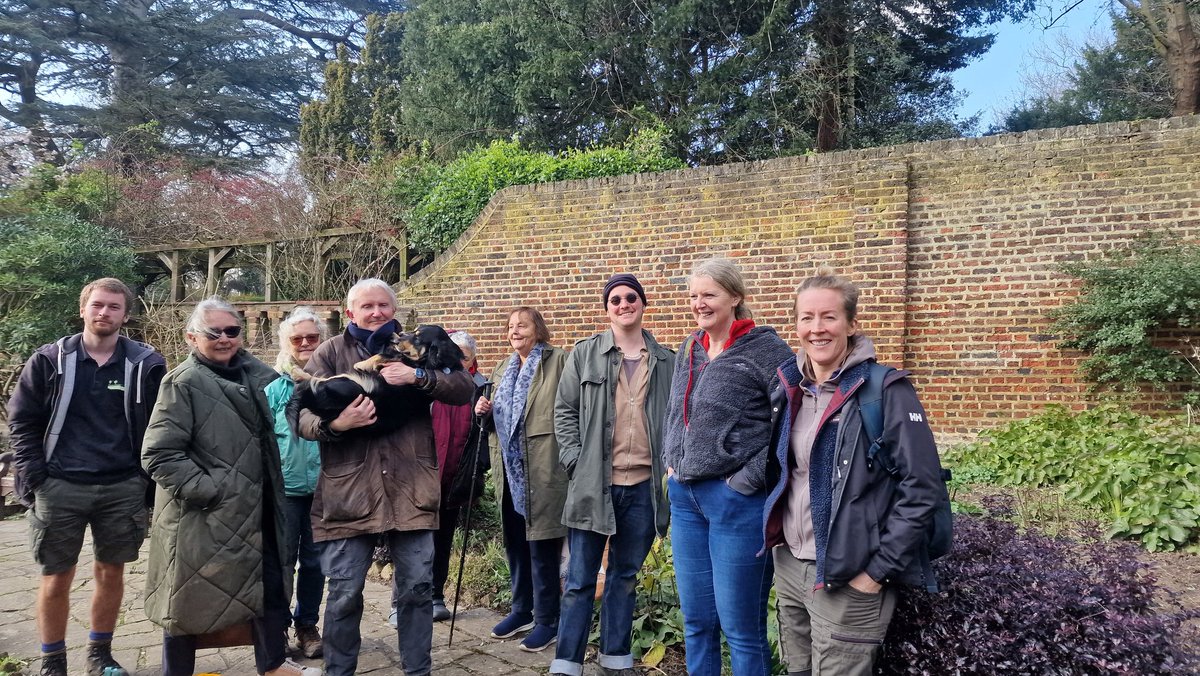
299, 336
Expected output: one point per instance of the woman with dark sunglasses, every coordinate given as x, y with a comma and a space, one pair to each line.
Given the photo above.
219, 509
299, 335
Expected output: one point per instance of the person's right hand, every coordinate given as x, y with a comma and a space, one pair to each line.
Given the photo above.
483, 406
360, 413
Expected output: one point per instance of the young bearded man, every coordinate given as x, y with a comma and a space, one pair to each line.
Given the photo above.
77, 418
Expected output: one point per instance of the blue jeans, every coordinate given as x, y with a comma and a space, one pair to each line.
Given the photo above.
532, 568
299, 546
723, 583
345, 564
627, 549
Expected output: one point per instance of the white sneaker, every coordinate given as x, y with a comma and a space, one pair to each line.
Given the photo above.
290, 668
392, 618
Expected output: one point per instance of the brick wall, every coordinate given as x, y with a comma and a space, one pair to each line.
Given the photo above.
956, 245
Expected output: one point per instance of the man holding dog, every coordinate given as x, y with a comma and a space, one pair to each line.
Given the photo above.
378, 476
77, 417
608, 421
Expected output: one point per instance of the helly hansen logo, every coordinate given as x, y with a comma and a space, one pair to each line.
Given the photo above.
915, 417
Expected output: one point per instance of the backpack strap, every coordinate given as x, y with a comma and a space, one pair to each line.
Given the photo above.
870, 408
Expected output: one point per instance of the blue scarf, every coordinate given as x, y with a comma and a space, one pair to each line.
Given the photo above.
508, 410
375, 340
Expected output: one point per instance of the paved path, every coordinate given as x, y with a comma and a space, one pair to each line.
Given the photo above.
138, 642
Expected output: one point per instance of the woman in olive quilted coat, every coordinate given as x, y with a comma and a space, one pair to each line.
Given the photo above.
219, 507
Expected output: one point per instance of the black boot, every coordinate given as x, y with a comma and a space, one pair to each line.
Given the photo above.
100, 661
54, 664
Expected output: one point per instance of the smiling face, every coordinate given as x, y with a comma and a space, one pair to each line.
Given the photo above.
712, 306
221, 349
522, 334
626, 313
304, 341
371, 308
824, 329
104, 313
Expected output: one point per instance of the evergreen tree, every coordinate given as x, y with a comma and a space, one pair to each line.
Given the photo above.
210, 77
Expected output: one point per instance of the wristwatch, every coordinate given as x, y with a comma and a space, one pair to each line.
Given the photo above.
419, 373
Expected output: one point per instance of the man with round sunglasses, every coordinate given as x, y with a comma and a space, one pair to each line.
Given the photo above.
77, 417
612, 398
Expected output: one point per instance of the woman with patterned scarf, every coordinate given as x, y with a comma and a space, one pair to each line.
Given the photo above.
531, 484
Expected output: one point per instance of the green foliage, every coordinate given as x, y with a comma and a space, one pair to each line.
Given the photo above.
657, 619
46, 257
1131, 301
440, 203
88, 193
1143, 474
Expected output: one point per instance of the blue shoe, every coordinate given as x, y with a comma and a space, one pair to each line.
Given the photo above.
512, 625
539, 639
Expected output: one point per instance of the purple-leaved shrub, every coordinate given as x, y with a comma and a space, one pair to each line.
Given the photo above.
1023, 603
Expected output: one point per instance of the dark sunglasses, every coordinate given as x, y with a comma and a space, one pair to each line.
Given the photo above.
215, 334
630, 298
307, 338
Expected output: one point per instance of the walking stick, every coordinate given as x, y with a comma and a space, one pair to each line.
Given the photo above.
462, 558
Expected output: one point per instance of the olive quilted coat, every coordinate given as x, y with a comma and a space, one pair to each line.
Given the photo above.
211, 449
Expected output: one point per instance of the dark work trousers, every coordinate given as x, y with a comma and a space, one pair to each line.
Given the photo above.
443, 543
269, 629
533, 566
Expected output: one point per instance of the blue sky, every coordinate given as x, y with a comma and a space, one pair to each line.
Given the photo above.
993, 83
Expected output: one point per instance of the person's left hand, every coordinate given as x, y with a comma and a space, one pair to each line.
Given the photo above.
863, 583
398, 373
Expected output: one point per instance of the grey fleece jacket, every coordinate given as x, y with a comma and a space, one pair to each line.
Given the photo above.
728, 428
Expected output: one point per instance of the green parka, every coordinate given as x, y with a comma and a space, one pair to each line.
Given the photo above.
583, 425
211, 449
545, 480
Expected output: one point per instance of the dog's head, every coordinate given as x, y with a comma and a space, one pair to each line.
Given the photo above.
428, 346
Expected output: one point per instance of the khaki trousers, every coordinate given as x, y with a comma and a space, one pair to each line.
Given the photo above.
827, 633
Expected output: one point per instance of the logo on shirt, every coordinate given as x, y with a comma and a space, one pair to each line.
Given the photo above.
915, 417
116, 385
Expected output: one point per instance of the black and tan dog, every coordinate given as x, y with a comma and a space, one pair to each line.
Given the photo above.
427, 347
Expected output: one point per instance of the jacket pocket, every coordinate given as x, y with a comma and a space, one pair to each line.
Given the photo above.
346, 493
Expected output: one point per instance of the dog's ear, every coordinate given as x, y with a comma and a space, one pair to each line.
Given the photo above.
440, 351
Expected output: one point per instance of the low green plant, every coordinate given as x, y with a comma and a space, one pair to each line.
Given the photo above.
11, 666
1136, 314
657, 619
1141, 473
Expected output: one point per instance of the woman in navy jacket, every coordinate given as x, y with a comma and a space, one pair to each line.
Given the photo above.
843, 529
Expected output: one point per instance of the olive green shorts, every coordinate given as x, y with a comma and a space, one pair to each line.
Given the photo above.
62, 511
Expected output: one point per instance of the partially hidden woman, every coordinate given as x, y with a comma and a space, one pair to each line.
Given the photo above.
299, 335
532, 485
716, 440
215, 546
844, 530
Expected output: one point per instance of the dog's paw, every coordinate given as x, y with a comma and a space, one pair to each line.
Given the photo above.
372, 363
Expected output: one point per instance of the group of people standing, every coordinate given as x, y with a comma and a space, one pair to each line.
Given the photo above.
753, 452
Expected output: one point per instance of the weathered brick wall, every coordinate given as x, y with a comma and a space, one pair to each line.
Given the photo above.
956, 244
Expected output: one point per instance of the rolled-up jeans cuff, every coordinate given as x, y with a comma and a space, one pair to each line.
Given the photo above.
615, 661
566, 667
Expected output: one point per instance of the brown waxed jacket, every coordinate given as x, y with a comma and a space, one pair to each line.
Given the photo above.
372, 482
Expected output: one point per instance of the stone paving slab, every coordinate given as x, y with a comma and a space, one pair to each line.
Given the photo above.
137, 643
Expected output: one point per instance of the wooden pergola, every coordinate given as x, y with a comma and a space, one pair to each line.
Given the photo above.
172, 259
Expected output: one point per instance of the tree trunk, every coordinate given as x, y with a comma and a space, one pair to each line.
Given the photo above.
41, 141
831, 33
1183, 59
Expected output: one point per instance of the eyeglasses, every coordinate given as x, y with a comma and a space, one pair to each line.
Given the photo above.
212, 333
313, 338
630, 298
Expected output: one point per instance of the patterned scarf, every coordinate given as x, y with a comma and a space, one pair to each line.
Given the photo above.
508, 410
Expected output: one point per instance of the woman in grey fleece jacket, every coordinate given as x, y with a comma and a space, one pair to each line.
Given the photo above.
716, 439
